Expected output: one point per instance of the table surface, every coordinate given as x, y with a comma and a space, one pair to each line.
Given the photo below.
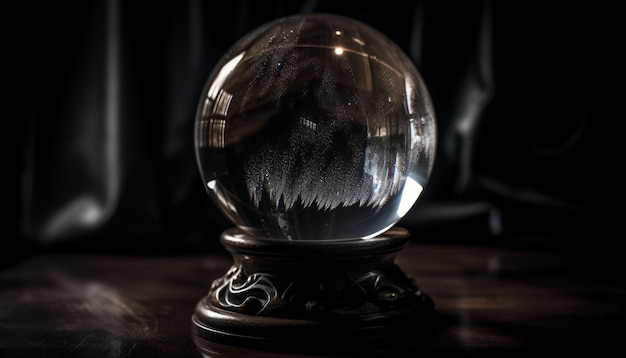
488, 300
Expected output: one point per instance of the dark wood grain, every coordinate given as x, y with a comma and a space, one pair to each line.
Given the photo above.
489, 300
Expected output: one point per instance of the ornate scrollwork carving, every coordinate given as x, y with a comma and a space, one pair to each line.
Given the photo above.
240, 291
267, 294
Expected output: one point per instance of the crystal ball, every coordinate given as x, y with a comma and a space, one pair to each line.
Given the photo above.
315, 127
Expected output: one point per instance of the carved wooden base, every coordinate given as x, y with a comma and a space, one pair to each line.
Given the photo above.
312, 294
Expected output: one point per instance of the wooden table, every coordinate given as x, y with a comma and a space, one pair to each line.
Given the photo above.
489, 300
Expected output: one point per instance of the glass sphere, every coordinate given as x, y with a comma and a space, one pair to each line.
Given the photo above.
315, 127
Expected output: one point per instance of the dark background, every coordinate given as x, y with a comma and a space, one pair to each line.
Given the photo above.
97, 143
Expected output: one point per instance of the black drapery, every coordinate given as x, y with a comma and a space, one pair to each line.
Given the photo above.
104, 150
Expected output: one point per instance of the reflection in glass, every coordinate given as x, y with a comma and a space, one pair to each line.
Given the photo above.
315, 128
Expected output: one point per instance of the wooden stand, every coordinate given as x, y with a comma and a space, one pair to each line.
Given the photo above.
312, 295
